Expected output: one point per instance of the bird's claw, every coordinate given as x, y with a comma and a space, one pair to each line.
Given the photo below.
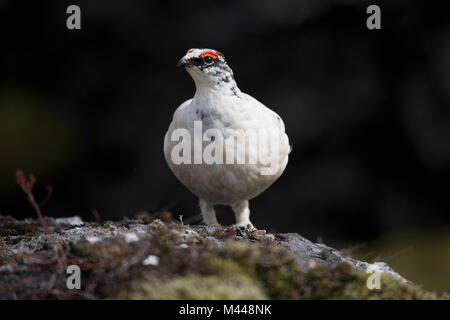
245, 227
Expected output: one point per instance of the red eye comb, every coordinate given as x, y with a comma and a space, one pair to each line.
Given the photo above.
212, 54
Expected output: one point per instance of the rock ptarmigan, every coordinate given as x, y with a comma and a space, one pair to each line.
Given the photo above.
223, 145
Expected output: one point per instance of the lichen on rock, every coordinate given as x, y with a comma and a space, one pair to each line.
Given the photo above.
147, 258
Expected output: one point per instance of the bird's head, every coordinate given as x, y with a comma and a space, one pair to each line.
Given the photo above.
208, 68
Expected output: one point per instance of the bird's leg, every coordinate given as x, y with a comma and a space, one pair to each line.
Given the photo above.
208, 213
242, 214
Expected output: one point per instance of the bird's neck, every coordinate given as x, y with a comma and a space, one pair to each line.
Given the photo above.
217, 88
216, 82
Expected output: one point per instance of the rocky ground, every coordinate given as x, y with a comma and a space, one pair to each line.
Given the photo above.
157, 257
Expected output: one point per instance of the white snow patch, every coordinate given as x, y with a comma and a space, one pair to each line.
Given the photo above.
151, 260
93, 239
382, 267
73, 221
131, 237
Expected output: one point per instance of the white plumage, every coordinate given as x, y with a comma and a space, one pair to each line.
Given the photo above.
219, 104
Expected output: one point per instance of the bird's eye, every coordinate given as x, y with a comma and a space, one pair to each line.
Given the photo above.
208, 59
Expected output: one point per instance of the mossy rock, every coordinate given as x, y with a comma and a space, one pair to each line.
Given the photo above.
193, 262
242, 270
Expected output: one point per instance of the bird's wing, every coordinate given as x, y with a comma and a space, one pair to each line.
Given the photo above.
178, 120
264, 113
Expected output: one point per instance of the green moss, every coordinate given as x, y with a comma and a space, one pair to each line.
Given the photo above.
344, 282
276, 275
165, 240
272, 268
275, 271
195, 287
281, 282
391, 289
226, 266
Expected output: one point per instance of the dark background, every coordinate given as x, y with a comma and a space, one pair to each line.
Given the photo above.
367, 111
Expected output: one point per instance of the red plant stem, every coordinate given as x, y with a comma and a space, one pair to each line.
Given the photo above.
36, 207
47, 197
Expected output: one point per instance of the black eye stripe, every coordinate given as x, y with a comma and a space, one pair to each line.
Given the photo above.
204, 63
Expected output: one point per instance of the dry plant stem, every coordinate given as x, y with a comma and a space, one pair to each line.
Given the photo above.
27, 184
96, 215
36, 208
48, 196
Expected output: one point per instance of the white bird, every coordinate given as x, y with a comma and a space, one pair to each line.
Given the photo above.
218, 104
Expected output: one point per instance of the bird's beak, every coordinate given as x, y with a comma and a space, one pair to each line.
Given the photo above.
182, 62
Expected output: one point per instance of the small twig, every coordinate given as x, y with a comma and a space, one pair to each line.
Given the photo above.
352, 249
47, 197
27, 183
96, 215
398, 254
